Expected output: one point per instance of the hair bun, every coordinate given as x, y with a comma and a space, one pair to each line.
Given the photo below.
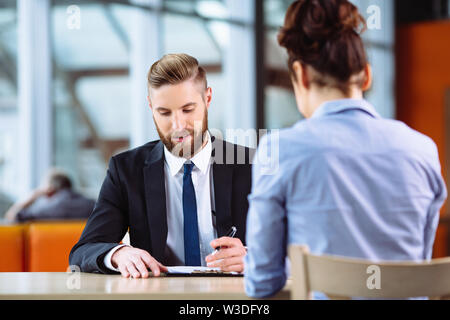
350, 19
325, 35
324, 19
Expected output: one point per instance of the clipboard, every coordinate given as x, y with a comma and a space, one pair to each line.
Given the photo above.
182, 271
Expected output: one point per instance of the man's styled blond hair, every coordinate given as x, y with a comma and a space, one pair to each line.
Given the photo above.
174, 69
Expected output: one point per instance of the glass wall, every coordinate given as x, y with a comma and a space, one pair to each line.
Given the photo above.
91, 92
92, 45
8, 104
280, 108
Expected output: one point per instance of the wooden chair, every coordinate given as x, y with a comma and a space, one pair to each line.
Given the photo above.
341, 278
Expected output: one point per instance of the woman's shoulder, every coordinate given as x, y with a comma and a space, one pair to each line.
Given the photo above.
296, 142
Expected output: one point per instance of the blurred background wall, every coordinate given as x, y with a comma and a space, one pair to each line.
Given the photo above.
73, 76
423, 83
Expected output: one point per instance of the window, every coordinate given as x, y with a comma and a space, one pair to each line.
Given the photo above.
280, 107
8, 104
92, 79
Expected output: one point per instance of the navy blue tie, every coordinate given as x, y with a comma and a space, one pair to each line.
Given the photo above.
191, 242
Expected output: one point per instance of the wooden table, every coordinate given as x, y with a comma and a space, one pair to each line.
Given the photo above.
81, 286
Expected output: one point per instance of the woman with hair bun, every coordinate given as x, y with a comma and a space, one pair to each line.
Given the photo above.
347, 182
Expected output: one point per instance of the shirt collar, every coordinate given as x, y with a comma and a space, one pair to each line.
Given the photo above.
201, 159
341, 105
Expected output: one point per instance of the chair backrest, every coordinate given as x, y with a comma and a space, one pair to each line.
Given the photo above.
49, 243
348, 277
12, 252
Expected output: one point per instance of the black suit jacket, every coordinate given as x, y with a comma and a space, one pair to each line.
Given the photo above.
133, 198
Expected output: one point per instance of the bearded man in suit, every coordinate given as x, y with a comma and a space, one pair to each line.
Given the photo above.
177, 196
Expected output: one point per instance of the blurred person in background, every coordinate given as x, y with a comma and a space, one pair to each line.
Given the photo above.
5, 204
54, 200
350, 183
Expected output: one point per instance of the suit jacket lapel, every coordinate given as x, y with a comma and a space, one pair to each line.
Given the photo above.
155, 196
223, 178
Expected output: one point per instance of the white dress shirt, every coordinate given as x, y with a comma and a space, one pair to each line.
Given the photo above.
204, 187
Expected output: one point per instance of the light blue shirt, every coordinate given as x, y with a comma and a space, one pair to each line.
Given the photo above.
345, 182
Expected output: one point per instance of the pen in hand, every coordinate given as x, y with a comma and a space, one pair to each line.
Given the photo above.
231, 233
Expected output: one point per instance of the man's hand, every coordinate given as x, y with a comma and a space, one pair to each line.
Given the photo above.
134, 262
230, 257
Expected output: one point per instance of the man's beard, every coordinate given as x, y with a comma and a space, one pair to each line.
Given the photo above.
189, 149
